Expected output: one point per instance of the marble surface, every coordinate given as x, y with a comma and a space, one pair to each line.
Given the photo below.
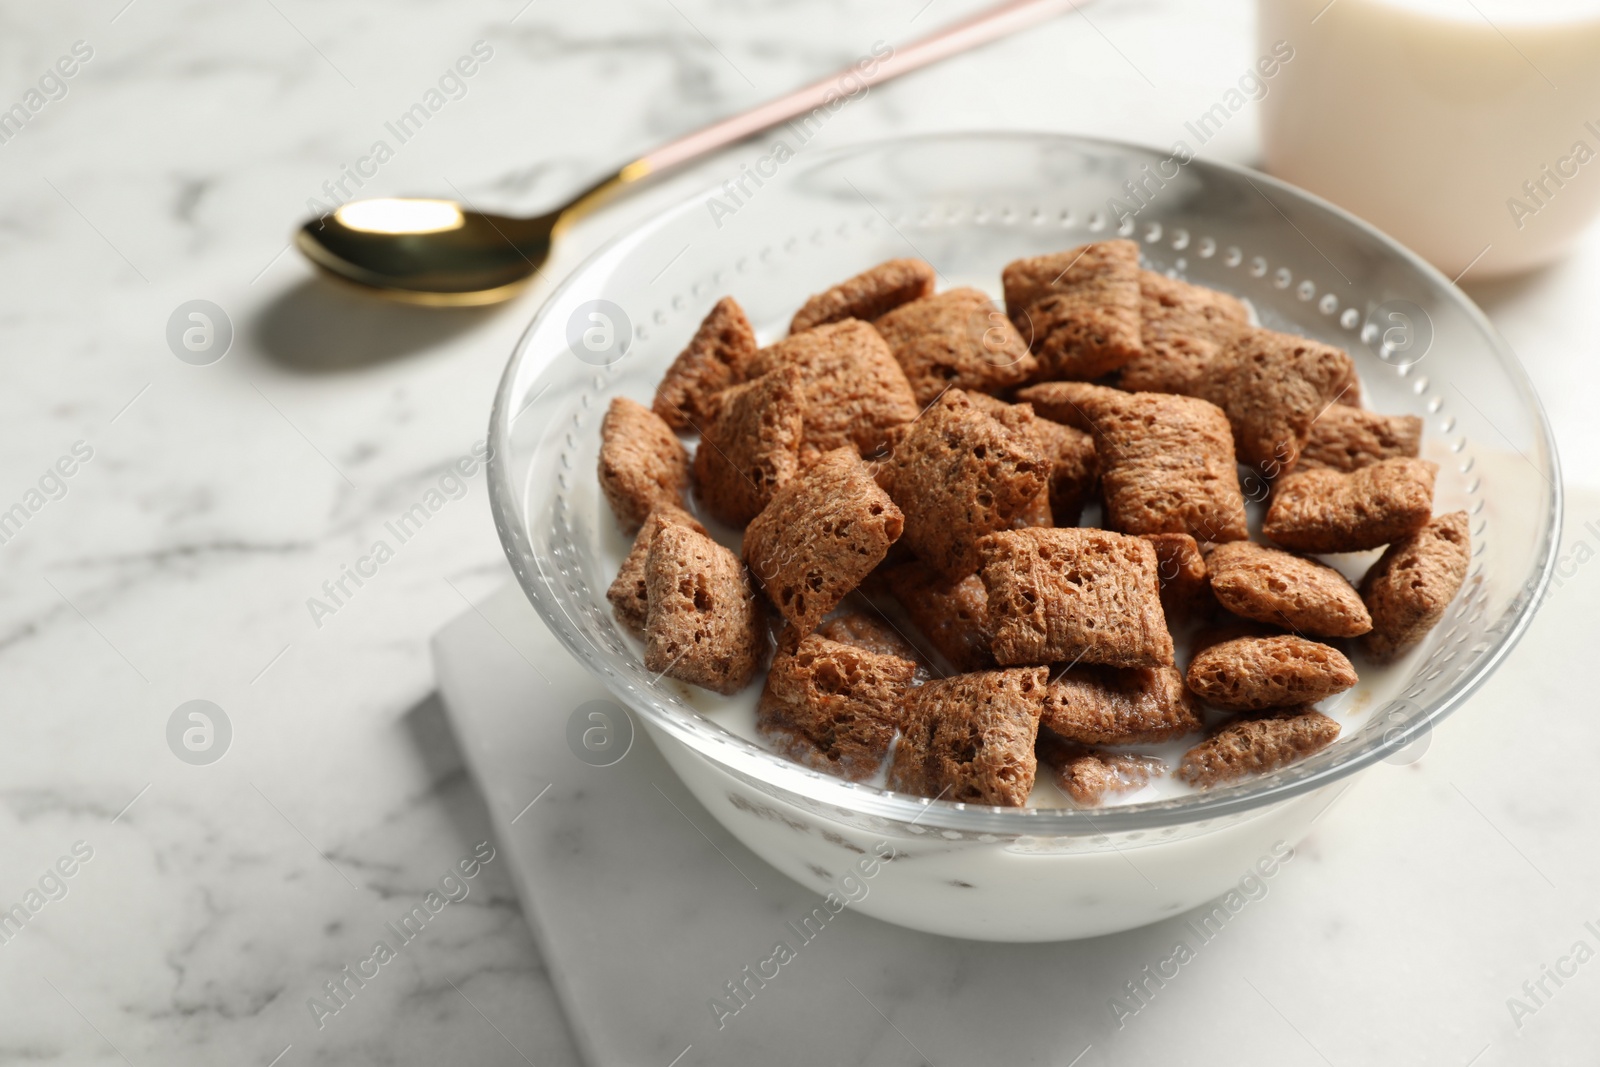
178, 560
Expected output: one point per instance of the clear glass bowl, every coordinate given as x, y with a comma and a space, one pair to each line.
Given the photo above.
970, 203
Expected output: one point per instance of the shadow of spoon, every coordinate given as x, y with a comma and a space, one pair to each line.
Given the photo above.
317, 328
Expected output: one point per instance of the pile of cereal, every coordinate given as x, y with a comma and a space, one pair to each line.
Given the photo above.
912, 462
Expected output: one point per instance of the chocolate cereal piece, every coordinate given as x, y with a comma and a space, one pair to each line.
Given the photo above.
952, 615
1166, 466
1273, 386
1171, 307
855, 392
1037, 513
704, 624
956, 339
1413, 582
750, 445
1079, 309
1349, 388
1087, 775
957, 474
715, 359
834, 707
870, 633
1183, 328
1012, 416
1286, 590
868, 295
1181, 568
1020, 418
1257, 746
1074, 469
1227, 628
1078, 595
1114, 706
1347, 438
642, 463
1330, 511
1184, 365
1074, 465
630, 600
822, 533
1255, 673
969, 738
1066, 402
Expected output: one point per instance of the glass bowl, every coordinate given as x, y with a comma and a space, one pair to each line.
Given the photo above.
970, 203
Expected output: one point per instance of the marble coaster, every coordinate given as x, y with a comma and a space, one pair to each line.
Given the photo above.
647, 910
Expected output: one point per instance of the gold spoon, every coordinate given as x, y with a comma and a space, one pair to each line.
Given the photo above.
440, 253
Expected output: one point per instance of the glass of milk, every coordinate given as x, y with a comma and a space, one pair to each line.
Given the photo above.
1466, 129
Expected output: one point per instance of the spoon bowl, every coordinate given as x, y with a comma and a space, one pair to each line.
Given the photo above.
433, 252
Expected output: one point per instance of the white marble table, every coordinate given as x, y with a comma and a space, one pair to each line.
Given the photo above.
177, 562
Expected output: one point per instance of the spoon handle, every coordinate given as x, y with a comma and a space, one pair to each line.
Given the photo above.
823, 94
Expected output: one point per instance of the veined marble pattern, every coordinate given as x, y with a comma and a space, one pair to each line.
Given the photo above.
178, 562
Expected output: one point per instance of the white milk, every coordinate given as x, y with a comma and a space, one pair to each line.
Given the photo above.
1350, 709
1469, 130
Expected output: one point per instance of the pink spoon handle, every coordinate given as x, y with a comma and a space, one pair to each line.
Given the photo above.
998, 21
